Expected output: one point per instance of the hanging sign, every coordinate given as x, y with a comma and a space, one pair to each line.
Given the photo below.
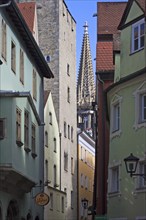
42, 199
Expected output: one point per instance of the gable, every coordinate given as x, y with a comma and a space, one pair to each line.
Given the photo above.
135, 12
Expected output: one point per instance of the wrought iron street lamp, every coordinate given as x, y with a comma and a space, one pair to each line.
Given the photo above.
85, 203
131, 163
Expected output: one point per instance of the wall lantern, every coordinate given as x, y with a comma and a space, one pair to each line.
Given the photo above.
85, 203
131, 163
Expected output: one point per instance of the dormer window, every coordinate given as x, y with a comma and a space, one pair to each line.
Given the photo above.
138, 36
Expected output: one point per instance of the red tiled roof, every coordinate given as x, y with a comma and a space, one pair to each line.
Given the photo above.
104, 56
109, 16
28, 11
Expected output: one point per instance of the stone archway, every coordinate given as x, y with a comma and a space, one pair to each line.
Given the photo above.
13, 210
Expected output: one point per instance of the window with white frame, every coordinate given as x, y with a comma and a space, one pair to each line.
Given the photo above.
18, 124
46, 139
34, 86
55, 145
13, 56
114, 179
26, 129
51, 201
64, 129
116, 116
4, 40
138, 35
2, 128
72, 134
62, 204
72, 199
50, 118
142, 170
143, 107
140, 106
65, 161
21, 66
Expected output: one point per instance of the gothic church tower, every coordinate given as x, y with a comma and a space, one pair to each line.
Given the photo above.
86, 87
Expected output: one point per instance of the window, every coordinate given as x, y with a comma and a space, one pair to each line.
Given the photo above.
55, 149
142, 170
65, 161
138, 36
64, 129
34, 85
143, 107
2, 128
114, 179
33, 140
116, 117
51, 201
18, 124
72, 165
82, 180
140, 106
62, 204
46, 139
55, 176
68, 73
68, 131
26, 129
46, 170
13, 56
81, 153
72, 199
72, 130
68, 94
86, 182
81, 209
21, 66
4, 40
50, 118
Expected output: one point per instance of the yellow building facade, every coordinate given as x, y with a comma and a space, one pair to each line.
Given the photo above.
86, 166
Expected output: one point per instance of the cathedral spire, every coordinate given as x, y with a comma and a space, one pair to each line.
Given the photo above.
86, 87
85, 84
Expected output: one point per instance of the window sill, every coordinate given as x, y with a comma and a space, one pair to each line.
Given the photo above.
140, 190
34, 155
56, 185
115, 134
19, 143
27, 149
139, 125
136, 51
114, 194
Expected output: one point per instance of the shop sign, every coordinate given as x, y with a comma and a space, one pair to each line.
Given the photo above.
42, 199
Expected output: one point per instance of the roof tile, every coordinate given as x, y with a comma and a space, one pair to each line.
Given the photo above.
28, 11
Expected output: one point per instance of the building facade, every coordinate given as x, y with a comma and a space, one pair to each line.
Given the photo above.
126, 111
86, 166
22, 70
52, 163
57, 40
108, 44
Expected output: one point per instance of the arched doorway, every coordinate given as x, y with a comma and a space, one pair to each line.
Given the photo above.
13, 210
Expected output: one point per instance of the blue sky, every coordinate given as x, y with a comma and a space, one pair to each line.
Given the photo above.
83, 10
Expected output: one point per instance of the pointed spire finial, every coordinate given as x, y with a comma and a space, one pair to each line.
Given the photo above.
86, 28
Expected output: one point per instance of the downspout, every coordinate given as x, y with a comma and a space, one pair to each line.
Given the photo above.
78, 133
60, 158
103, 148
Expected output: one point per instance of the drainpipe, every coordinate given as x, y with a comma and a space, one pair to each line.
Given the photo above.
60, 158
78, 133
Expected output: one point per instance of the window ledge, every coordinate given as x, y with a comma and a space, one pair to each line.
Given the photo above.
114, 194
34, 155
116, 134
19, 143
136, 51
27, 149
140, 190
56, 185
139, 125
